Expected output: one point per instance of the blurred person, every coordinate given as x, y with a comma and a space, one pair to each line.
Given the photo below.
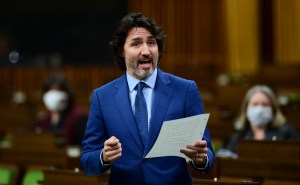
63, 117
261, 119
113, 138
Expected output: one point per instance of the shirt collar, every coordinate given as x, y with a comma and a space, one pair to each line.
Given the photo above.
150, 80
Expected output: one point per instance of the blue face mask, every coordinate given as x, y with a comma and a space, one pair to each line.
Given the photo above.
259, 115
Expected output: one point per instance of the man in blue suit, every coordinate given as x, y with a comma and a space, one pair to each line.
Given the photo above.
114, 138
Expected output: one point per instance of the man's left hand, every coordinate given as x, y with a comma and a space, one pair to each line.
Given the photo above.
197, 152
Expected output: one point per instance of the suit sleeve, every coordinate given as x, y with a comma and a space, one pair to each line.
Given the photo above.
94, 138
194, 106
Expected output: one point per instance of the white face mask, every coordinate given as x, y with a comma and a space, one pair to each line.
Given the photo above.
259, 115
55, 100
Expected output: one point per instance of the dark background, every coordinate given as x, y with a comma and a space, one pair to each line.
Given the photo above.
68, 32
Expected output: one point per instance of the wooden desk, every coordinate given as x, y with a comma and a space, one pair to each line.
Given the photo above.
15, 117
56, 158
279, 182
228, 182
276, 150
260, 169
68, 177
37, 149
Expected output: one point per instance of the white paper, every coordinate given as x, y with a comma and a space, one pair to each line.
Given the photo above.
176, 134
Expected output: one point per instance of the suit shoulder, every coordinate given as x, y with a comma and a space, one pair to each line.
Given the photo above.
110, 85
175, 78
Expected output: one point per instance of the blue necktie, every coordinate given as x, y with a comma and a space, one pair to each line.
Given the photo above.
141, 114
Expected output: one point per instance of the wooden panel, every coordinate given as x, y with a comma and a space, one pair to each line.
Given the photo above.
280, 169
30, 81
286, 28
269, 149
261, 160
14, 117
292, 113
278, 76
221, 131
66, 177
230, 97
279, 182
55, 158
225, 182
37, 149
32, 141
195, 30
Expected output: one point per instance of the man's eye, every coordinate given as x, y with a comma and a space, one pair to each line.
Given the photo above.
135, 44
152, 42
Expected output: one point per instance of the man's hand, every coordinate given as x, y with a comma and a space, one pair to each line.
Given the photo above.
196, 152
112, 150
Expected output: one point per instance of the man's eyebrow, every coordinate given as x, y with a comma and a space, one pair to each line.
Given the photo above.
136, 38
139, 38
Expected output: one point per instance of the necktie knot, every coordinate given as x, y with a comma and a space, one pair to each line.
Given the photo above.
140, 87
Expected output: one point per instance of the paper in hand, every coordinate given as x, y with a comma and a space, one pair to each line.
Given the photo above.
176, 134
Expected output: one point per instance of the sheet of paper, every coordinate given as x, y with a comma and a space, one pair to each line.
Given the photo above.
176, 134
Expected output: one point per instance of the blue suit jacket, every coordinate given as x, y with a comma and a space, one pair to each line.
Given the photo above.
111, 115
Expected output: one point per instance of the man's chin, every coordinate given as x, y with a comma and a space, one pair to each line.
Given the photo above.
145, 73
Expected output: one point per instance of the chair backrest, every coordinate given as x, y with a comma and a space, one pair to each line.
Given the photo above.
8, 174
33, 177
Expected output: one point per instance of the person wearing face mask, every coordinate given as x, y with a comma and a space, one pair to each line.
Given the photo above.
63, 117
261, 119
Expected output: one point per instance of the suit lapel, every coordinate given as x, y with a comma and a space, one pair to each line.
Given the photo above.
162, 97
123, 104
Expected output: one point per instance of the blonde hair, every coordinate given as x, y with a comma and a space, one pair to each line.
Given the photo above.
278, 120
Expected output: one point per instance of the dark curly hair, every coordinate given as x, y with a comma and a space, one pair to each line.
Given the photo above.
125, 25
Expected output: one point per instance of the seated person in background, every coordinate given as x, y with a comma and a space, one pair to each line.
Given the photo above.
261, 119
63, 116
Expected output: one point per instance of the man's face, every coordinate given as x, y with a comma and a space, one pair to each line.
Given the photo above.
140, 53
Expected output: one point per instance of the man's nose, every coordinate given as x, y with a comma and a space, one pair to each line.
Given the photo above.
145, 50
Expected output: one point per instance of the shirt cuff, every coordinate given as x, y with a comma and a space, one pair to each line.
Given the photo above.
201, 167
101, 161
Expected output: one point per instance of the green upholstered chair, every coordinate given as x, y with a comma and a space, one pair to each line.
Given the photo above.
8, 174
32, 177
